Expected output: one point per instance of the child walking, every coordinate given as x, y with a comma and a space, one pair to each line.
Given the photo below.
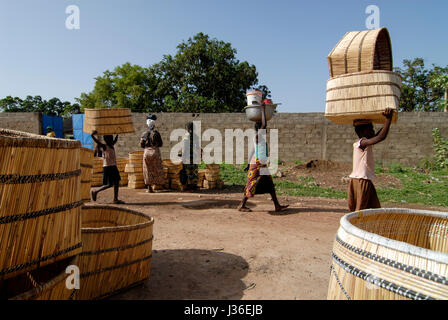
111, 175
361, 191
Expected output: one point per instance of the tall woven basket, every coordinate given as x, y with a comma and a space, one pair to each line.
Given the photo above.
390, 254
46, 283
117, 249
108, 121
40, 220
86, 173
361, 51
362, 95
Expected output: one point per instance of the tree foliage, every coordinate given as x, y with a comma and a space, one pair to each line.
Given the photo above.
203, 76
422, 89
52, 107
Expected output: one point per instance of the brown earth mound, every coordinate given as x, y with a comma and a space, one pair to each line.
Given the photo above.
331, 174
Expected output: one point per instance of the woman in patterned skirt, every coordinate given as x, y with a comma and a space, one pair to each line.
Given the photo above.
151, 141
258, 182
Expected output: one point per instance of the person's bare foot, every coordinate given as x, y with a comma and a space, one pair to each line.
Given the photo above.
93, 195
281, 208
118, 202
244, 209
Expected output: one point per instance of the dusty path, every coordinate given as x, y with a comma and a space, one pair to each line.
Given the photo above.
205, 249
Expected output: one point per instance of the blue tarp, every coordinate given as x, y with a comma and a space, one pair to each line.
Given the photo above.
78, 134
55, 122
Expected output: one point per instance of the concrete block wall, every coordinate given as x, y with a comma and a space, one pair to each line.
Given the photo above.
302, 136
306, 136
22, 121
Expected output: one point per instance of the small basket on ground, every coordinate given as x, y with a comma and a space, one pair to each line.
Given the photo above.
117, 250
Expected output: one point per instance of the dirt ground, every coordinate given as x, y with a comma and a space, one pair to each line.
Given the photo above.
205, 249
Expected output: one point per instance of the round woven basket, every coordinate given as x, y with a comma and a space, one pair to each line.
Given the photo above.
117, 249
86, 159
362, 95
46, 283
40, 192
361, 51
108, 121
390, 254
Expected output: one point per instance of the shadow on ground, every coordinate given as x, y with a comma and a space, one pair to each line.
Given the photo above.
290, 210
211, 204
191, 274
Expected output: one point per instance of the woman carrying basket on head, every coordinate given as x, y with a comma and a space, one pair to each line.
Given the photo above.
151, 141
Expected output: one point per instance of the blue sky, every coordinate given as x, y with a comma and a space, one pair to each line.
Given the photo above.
288, 41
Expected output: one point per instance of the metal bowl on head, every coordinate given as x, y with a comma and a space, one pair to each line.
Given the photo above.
253, 113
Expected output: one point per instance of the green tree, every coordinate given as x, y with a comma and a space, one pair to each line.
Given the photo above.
52, 107
127, 86
203, 76
418, 92
439, 81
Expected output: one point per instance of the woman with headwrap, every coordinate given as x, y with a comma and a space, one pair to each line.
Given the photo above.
151, 141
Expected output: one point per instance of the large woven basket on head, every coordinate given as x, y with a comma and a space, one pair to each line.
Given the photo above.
86, 159
46, 283
117, 249
40, 200
362, 95
361, 51
108, 121
391, 254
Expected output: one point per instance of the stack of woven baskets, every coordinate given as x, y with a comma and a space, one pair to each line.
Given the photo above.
362, 83
212, 177
201, 177
134, 169
97, 172
40, 215
173, 170
121, 165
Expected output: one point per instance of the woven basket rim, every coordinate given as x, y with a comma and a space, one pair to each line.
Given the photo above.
120, 228
15, 138
88, 150
401, 246
360, 73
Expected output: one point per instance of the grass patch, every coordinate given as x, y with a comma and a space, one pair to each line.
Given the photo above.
418, 186
307, 187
